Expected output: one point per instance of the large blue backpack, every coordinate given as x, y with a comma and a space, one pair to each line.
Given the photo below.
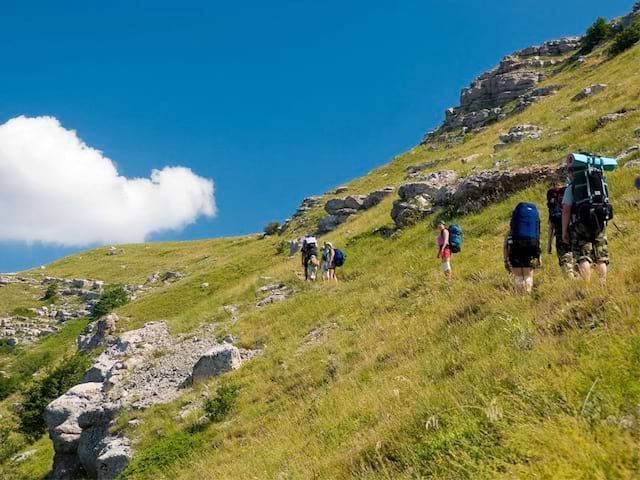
339, 258
525, 228
455, 238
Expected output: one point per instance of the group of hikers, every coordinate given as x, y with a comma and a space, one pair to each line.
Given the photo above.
579, 212
329, 259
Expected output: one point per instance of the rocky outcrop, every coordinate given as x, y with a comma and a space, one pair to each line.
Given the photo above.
138, 369
420, 200
307, 205
481, 189
97, 333
340, 209
516, 79
417, 171
590, 91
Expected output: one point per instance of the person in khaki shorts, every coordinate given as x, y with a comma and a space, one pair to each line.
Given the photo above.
588, 249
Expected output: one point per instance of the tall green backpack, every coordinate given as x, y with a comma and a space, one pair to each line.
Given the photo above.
455, 238
591, 204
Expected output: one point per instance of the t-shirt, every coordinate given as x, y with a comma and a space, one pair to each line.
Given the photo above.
567, 199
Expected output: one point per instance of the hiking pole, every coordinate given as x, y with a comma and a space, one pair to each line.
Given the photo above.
617, 227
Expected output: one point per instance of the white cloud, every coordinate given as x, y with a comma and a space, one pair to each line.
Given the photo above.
56, 189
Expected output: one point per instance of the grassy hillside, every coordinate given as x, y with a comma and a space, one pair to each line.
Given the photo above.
393, 373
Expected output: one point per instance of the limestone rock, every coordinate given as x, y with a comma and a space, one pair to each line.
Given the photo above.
520, 133
113, 458
354, 202
610, 118
632, 164
628, 152
470, 158
95, 334
590, 91
483, 188
334, 205
407, 213
218, 360
429, 186
374, 198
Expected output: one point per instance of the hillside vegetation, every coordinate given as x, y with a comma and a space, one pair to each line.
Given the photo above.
393, 372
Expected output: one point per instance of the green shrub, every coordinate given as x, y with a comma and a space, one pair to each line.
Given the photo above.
627, 38
222, 404
51, 293
113, 297
162, 453
23, 312
282, 248
47, 389
272, 228
596, 34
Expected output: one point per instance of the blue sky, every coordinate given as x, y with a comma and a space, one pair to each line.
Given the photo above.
274, 101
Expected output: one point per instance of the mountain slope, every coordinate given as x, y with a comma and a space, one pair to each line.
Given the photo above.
394, 373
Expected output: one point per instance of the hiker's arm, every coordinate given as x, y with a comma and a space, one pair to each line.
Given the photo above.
445, 244
505, 252
566, 219
551, 230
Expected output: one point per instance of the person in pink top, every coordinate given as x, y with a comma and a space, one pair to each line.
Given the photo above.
444, 251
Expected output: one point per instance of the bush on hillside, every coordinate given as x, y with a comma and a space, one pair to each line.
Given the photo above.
596, 34
627, 38
272, 228
222, 404
51, 293
113, 297
47, 389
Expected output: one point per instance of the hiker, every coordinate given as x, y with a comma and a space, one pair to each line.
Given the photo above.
326, 260
310, 258
331, 262
563, 250
586, 211
444, 249
522, 246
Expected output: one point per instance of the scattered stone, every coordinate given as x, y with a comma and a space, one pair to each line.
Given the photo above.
153, 279
414, 171
632, 164
637, 133
340, 190
520, 133
172, 276
308, 204
233, 311
590, 91
204, 285
115, 251
610, 118
470, 158
276, 292
628, 152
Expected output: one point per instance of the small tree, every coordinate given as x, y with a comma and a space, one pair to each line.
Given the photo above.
627, 38
51, 293
47, 389
596, 34
272, 228
114, 296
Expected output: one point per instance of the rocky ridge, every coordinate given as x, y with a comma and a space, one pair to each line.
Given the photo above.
516, 78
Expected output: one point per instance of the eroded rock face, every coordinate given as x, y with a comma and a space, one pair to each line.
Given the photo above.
518, 134
610, 118
96, 333
419, 200
138, 369
480, 189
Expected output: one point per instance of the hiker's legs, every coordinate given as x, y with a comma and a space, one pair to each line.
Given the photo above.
305, 263
332, 275
518, 278
602, 268
527, 279
565, 258
446, 268
584, 267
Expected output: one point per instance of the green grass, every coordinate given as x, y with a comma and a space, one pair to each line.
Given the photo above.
412, 377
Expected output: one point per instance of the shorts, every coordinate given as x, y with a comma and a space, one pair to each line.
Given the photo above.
522, 258
446, 254
586, 248
565, 256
